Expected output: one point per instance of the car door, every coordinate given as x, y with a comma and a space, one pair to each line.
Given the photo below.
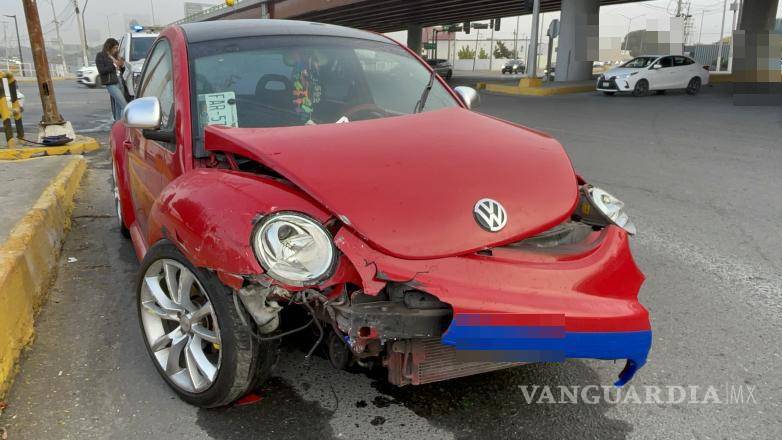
152, 163
662, 78
682, 72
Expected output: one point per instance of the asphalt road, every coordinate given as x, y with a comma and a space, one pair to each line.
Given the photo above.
701, 179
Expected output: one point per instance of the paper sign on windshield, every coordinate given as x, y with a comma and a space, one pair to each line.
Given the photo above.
218, 109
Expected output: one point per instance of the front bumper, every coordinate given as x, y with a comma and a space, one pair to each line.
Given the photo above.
614, 84
522, 305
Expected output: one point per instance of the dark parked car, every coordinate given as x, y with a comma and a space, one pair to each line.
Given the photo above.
442, 67
513, 66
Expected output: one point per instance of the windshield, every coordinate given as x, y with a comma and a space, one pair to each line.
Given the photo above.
640, 62
139, 47
300, 80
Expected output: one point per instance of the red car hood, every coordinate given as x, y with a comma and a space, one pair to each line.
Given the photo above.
409, 184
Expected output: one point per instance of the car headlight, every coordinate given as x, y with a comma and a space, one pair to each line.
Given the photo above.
626, 75
599, 208
293, 248
515, 66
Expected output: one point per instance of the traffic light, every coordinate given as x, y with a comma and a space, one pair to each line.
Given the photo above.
496, 24
466, 27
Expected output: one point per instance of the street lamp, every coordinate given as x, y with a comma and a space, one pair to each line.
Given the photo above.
629, 23
18, 40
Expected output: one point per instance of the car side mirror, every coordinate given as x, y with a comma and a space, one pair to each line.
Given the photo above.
657, 66
469, 96
143, 113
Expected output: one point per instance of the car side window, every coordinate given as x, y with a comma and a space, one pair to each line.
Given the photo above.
159, 82
680, 61
666, 62
123, 45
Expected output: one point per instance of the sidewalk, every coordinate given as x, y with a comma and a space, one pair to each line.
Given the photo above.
36, 199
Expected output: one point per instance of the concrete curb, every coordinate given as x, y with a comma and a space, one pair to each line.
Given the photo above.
535, 91
28, 260
80, 145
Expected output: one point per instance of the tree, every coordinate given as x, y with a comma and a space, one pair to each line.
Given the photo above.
465, 53
483, 54
502, 51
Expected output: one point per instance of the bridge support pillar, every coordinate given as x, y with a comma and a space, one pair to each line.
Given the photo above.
756, 76
414, 37
579, 37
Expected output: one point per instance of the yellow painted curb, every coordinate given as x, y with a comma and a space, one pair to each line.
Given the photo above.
80, 145
536, 91
28, 260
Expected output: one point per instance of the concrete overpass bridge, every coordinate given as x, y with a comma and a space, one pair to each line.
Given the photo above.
756, 55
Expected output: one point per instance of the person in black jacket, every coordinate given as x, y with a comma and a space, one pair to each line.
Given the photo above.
110, 67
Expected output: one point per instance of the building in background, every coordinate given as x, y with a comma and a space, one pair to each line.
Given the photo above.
192, 8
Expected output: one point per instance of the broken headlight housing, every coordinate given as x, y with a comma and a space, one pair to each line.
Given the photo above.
599, 208
293, 248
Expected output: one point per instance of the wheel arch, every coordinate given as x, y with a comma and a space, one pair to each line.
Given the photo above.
209, 215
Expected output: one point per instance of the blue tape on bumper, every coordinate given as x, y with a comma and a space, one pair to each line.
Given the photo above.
547, 344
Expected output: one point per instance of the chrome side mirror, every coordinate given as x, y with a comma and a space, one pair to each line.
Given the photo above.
469, 96
142, 113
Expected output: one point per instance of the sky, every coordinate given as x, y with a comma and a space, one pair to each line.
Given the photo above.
107, 17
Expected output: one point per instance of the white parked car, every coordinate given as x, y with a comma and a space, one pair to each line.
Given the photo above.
133, 47
654, 73
88, 75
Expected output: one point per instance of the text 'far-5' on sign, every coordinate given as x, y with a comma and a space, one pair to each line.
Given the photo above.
217, 109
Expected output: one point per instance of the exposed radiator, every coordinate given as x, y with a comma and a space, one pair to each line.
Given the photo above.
421, 361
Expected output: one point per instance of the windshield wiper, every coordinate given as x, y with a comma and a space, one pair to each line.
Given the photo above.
419, 106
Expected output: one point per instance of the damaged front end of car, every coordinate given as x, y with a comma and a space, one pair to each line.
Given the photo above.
543, 285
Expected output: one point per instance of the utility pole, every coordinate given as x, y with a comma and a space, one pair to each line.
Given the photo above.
18, 42
83, 24
516, 38
679, 8
735, 8
491, 46
152, 7
82, 39
532, 49
722, 34
50, 114
59, 38
5, 38
700, 30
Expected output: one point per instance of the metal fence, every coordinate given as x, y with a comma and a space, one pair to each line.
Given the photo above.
27, 70
707, 55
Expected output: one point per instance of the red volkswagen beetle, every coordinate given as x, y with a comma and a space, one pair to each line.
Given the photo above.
271, 165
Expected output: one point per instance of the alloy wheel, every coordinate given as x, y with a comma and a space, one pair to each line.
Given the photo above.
180, 326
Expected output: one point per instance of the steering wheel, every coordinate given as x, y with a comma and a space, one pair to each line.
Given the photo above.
365, 111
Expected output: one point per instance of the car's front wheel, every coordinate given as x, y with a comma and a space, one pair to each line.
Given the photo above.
193, 332
641, 88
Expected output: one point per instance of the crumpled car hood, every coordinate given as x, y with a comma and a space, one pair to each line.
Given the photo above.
408, 184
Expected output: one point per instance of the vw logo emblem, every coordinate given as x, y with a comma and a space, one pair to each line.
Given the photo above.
490, 215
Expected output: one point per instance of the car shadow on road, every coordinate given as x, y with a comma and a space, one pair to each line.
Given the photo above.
484, 406
493, 405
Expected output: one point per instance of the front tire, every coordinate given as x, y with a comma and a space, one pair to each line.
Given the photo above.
641, 88
694, 86
193, 332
